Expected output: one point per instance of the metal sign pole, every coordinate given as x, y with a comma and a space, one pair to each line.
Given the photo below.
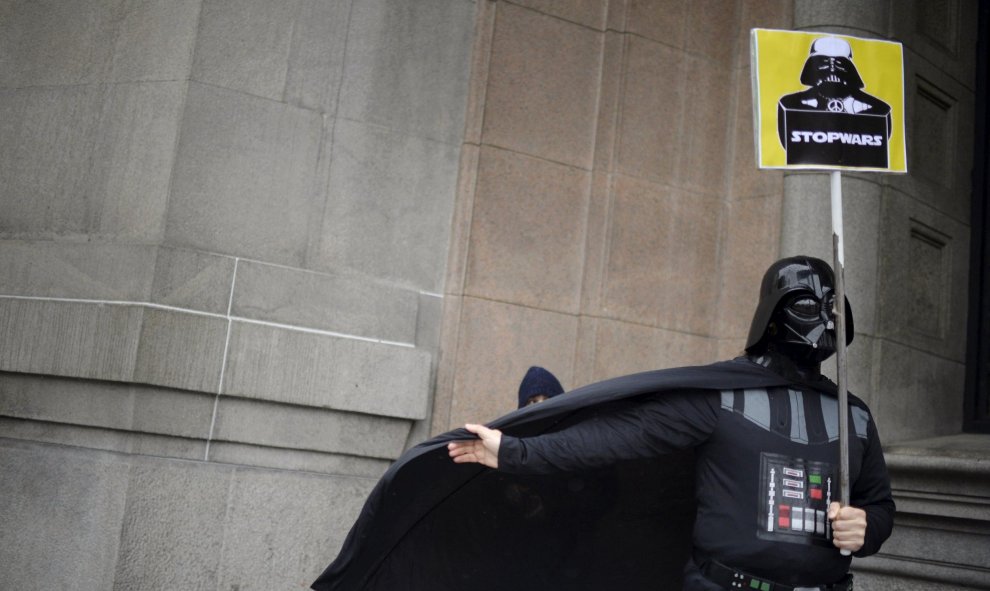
840, 338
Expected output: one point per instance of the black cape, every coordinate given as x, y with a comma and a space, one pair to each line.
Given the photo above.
433, 524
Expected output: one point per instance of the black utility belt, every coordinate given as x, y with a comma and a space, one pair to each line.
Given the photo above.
733, 579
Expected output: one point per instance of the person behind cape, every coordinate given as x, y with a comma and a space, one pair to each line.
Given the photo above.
757, 437
537, 386
766, 457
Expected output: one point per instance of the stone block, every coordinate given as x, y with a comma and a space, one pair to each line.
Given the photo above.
99, 271
751, 239
56, 43
861, 371
112, 342
59, 44
297, 460
88, 160
69, 339
923, 263
351, 305
729, 348
60, 516
585, 352
407, 66
460, 225
447, 371
193, 280
27, 396
622, 348
48, 138
661, 264
934, 128
155, 40
296, 427
283, 528
159, 446
173, 528
284, 51
112, 440
610, 93
481, 53
134, 154
496, 344
181, 350
924, 541
652, 108
244, 176
939, 118
590, 13
945, 477
942, 33
711, 32
543, 87
763, 14
870, 18
806, 216
171, 412
528, 212
124, 407
244, 45
389, 206
747, 180
658, 20
316, 55
913, 388
702, 144
892, 577
428, 318
596, 240
323, 371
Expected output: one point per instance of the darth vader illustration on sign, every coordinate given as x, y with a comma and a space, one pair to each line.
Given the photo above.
834, 121
828, 101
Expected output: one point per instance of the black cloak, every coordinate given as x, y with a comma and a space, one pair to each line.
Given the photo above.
433, 524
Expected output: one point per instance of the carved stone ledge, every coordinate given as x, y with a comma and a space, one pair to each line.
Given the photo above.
942, 528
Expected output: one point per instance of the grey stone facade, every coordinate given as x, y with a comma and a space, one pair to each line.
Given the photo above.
223, 232
250, 251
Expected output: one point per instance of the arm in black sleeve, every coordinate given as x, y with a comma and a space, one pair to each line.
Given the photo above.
871, 493
640, 428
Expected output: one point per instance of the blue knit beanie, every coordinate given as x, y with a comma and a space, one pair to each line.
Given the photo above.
538, 381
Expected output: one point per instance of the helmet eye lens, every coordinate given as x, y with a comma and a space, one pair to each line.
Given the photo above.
805, 306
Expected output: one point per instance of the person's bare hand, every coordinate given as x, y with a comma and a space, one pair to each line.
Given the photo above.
482, 451
848, 527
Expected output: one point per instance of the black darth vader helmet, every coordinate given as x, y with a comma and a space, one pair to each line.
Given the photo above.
795, 310
830, 63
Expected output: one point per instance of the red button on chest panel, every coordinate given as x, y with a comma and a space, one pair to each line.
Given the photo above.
784, 517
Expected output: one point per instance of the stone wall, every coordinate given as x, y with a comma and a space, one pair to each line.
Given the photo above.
609, 216
251, 250
223, 233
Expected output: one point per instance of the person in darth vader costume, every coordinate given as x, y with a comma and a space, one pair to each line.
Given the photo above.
761, 434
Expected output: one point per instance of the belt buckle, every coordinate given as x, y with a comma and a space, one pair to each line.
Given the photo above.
741, 580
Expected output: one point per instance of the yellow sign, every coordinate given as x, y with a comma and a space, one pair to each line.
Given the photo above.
825, 101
